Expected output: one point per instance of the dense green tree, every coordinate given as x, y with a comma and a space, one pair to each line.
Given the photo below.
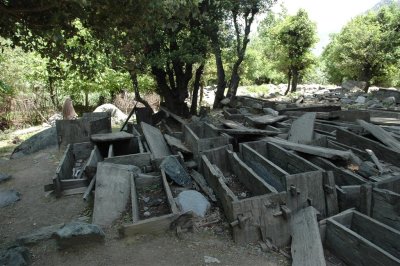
289, 40
367, 48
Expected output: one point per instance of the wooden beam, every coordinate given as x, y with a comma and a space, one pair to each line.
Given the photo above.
379, 133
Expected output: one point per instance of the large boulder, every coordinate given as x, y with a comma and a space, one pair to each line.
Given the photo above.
78, 233
8, 197
192, 200
4, 177
15, 256
42, 140
117, 116
353, 85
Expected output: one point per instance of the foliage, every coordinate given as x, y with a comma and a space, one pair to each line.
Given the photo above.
367, 48
289, 40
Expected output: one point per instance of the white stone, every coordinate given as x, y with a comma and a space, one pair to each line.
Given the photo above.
191, 200
361, 100
209, 260
117, 116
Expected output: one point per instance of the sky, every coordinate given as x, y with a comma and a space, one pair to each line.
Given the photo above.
330, 15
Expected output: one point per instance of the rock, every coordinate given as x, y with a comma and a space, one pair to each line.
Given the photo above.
225, 101
146, 214
353, 85
40, 234
4, 177
117, 116
40, 141
15, 256
361, 100
346, 101
77, 233
368, 169
8, 197
372, 102
52, 119
257, 106
389, 100
175, 171
270, 111
146, 199
209, 260
191, 200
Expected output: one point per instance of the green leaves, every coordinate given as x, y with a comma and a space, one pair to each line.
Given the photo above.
366, 48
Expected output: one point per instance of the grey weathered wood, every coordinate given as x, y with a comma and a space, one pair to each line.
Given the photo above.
140, 159
379, 133
383, 152
110, 151
155, 140
386, 207
375, 160
91, 164
267, 170
306, 246
221, 190
170, 198
248, 177
265, 119
331, 197
306, 189
112, 192
302, 129
153, 226
318, 151
111, 137
174, 116
232, 124
348, 197
74, 183
365, 199
358, 249
176, 144
248, 131
199, 179
343, 177
134, 199
89, 188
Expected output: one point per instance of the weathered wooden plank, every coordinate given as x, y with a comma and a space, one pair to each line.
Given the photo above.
267, 170
74, 183
248, 177
318, 151
365, 199
331, 197
112, 192
306, 246
306, 189
221, 190
91, 164
382, 135
199, 179
139, 159
134, 199
317, 108
353, 248
348, 197
382, 151
343, 177
386, 207
89, 188
264, 119
111, 137
175, 143
302, 129
155, 140
174, 116
380, 234
153, 226
170, 198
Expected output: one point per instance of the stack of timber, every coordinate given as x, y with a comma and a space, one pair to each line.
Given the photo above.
314, 179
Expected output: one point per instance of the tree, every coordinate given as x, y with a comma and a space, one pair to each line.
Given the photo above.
240, 14
291, 39
366, 49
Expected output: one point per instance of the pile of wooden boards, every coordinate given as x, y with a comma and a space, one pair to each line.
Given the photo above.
314, 178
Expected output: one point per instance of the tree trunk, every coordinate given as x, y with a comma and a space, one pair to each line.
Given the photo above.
135, 84
295, 80
289, 80
174, 99
219, 95
86, 99
196, 86
234, 81
53, 95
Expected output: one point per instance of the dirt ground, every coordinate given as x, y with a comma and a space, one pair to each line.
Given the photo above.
35, 210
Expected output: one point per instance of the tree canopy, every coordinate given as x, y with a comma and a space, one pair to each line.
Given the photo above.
366, 49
